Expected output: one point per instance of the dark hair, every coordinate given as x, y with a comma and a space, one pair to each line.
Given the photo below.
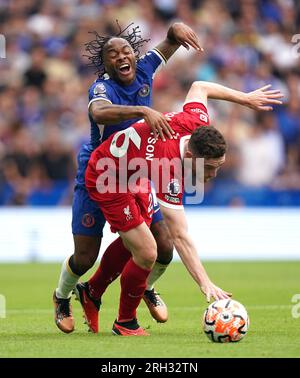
95, 47
207, 142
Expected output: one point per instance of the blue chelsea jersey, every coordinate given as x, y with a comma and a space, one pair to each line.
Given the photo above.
137, 93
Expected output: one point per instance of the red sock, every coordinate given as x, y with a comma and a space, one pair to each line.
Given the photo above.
111, 266
133, 285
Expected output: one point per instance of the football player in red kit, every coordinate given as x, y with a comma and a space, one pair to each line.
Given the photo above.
116, 181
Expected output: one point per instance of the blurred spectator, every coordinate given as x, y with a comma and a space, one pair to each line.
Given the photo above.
261, 154
17, 166
289, 121
56, 159
36, 75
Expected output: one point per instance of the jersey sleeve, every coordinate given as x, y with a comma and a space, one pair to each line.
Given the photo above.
152, 62
99, 90
199, 110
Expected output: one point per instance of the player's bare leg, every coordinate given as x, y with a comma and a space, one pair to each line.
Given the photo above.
155, 304
85, 255
112, 263
141, 243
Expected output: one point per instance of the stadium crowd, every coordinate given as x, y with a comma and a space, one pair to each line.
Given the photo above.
44, 81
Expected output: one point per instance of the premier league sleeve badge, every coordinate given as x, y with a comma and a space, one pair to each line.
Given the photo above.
99, 89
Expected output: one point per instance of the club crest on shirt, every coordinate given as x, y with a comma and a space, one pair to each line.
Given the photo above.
173, 187
99, 89
88, 220
144, 91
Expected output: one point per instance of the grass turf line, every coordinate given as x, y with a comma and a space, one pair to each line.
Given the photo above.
265, 288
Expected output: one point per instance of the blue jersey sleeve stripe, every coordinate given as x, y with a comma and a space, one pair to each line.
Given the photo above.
98, 99
160, 55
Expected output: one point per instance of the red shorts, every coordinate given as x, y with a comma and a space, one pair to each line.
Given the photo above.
123, 211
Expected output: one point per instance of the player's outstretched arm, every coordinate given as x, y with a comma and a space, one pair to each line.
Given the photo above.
186, 249
179, 34
105, 113
261, 99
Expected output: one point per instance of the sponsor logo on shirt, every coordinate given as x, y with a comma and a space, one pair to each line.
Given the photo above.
172, 199
202, 115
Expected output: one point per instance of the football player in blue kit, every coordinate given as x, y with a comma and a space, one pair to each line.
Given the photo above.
117, 99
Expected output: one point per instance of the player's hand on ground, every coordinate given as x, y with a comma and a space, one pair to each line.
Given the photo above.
158, 123
186, 36
212, 291
263, 98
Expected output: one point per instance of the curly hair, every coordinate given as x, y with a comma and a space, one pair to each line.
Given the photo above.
95, 47
207, 142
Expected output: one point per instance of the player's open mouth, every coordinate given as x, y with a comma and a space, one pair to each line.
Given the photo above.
124, 69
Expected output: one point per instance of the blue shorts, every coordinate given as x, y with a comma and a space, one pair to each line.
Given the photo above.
87, 217
157, 215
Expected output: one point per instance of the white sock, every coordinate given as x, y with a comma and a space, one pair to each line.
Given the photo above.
67, 281
157, 270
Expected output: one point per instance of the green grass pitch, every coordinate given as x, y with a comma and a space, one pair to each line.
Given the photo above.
265, 288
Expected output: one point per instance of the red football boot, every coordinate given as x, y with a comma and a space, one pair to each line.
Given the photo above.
89, 305
130, 328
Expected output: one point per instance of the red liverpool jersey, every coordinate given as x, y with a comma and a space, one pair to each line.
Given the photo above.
129, 155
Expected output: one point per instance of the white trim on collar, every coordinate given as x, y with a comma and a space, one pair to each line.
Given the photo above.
181, 144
